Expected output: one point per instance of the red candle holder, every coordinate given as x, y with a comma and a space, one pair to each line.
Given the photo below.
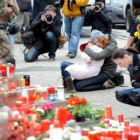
45, 125
51, 90
120, 118
108, 112
133, 136
60, 114
126, 123
135, 128
11, 70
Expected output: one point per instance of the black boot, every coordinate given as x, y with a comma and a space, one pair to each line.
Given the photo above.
69, 86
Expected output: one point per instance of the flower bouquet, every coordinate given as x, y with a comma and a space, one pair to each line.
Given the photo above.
81, 109
46, 111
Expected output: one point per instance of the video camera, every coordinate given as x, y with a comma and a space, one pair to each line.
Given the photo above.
98, 6
49, 17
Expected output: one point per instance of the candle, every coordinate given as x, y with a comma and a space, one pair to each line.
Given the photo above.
62, 114
51, 90
134, 128
45, 125
11, 69
108, 112
126, 123
133, 136
120, 118
22, 82
85, 131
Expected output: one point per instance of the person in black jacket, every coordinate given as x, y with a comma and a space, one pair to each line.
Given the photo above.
129, 59
99, 18
47, 30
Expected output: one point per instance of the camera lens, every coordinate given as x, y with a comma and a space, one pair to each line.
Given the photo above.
97, 8
49, 17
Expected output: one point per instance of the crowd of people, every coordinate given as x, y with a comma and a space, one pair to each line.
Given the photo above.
100, 55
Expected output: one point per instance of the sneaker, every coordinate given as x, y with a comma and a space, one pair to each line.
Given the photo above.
51, 59
108, 84
71, 55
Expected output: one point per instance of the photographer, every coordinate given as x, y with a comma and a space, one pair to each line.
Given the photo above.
97, 16
47, 30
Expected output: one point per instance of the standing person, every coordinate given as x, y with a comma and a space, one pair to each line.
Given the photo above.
102, 79
47, 30
8, 12
74, 11
23, 19
129, 59
97, 16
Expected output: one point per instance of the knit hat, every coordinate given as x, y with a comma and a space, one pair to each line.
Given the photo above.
100, 1
95, 34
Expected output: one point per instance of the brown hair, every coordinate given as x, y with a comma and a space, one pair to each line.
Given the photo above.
135, 11
50, 8
119, 53
104, 40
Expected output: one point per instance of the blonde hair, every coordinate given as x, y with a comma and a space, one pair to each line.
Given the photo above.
104, 40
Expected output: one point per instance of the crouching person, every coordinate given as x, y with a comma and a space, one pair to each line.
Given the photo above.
47, 30
5, 49
129, 59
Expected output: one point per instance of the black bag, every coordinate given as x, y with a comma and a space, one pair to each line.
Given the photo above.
24, 5
28, 39
118, 79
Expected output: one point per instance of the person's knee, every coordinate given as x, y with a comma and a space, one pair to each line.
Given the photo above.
119, 96
50, 36
63, 64
28, 58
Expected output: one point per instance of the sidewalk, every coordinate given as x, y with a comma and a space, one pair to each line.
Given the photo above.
47, 73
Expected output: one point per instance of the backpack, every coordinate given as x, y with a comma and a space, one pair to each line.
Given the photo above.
28, 38
24, 5
118, 79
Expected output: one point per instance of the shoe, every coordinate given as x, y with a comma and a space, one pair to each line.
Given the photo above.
108, 84
51, 59
70, 55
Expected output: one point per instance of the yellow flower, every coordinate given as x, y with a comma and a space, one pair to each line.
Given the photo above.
136, 34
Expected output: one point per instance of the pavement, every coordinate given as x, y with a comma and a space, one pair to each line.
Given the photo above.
47, 73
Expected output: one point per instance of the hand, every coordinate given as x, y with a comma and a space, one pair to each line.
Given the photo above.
89, 45
92, 7
43, 17
10, 2
9, 10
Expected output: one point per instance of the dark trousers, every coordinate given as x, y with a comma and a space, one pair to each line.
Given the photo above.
129, 96
50, 42
91, 84
64, 73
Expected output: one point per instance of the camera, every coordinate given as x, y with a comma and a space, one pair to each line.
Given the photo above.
98, 6
49, 17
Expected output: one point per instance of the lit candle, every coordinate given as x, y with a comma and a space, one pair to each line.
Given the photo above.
108, 112
45, 125
120, 118
134, 128
11, 69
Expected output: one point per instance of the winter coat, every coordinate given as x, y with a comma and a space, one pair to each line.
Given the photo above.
5, 48
40, 28
99, 20
74, 8
6, 18
89, 68
109, 67
134, 71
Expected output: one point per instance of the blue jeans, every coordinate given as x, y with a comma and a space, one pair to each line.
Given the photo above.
73, 30
91, 84
64, 73
129, 96
11, 39
50, 42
